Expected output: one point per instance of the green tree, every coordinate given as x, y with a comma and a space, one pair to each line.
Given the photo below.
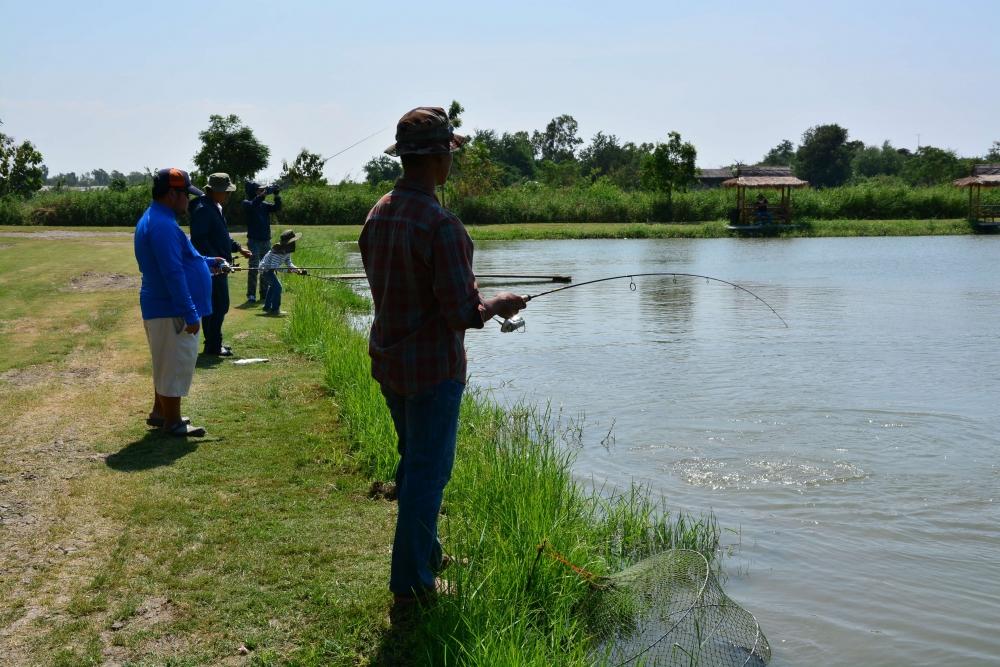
994, 154
455, 111
670, 166
619, 163
559, 174
781, 155
307, 169
559, 141
382, 168
100, 177
602, 155
823, 157
874, 161
21, 172
230, 146
931, 166
478, 174
511, 151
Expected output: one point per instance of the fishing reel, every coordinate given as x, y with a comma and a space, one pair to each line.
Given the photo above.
512, 324
225, 267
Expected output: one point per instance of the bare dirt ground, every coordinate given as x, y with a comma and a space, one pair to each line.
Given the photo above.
90, 281
51, 541
60, 234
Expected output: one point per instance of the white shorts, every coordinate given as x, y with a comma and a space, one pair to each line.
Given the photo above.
175, 353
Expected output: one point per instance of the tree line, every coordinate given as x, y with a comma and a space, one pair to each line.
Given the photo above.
555, 156
826, 157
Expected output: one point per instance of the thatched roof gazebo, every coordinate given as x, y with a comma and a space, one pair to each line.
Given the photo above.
748, 215
985, 216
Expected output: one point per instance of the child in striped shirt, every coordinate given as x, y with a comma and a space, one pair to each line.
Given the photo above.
278, 258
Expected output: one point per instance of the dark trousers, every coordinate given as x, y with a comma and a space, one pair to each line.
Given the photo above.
427, 427
259, 248
270, 287
212, 325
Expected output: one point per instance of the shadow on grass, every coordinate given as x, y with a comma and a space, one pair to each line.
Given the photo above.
398, 644
208, 361
151, 451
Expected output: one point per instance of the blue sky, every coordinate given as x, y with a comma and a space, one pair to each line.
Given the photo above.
129, 85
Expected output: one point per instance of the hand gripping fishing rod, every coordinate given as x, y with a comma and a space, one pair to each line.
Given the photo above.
517, 322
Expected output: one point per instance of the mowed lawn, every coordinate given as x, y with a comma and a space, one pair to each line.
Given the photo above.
254, 545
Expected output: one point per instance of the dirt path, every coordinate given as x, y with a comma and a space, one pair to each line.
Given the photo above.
56, 414
61, 234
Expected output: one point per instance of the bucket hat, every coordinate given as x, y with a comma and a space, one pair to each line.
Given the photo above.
220, 182
425, 131
288, 236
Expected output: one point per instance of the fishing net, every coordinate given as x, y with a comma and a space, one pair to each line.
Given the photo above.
669, 609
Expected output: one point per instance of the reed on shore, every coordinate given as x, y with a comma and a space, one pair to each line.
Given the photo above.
511, 489
600, 202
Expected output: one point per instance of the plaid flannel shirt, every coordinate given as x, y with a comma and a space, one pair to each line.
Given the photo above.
418, 259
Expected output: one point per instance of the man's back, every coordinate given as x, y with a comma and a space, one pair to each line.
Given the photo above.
209, 233
418, 259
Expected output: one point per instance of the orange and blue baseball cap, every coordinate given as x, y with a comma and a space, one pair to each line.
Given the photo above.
174, 179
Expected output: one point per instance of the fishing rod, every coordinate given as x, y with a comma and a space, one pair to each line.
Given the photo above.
515, 323
226, 267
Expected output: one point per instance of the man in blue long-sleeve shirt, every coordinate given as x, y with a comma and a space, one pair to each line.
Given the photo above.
175, 296
210, 236
258, 216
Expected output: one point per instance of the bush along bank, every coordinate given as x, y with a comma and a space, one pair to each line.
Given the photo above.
511, 489
349, 203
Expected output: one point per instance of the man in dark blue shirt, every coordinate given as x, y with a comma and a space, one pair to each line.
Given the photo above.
210, 236
258, 216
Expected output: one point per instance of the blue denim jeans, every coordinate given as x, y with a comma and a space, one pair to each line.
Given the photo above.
271, 287
427, 426
259, 249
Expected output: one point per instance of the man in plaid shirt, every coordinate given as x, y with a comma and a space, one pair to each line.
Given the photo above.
418, 259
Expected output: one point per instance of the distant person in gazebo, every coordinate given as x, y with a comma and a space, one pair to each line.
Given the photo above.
761, 214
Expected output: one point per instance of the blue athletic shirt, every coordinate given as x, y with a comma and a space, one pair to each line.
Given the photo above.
176, 281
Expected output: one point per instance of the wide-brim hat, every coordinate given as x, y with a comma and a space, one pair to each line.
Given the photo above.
425, 131
288, 237
220, 182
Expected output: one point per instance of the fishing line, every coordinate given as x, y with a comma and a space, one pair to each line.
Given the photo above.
325, 160
632, 286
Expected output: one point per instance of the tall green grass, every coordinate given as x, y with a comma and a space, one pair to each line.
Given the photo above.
511, 489
604, 202
349, 203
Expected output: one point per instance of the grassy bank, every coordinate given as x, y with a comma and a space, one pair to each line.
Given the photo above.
258, 544
598, 230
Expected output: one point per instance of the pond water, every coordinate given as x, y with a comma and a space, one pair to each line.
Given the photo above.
854, 457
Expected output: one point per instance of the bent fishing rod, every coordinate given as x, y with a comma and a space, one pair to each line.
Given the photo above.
517, 322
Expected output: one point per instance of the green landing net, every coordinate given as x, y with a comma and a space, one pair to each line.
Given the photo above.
669, 610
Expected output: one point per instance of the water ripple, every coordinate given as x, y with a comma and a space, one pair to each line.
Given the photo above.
755, 473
